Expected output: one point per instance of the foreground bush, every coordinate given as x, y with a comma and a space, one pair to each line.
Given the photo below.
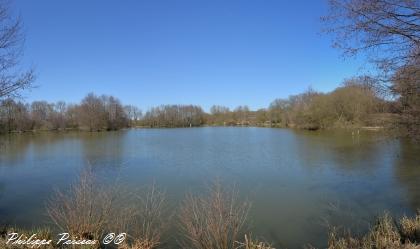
147, 224
212, 221
90, 210
86, 211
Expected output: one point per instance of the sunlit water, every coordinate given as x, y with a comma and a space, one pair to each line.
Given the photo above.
298, 182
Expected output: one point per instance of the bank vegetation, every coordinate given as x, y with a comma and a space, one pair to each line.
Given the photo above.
355, 103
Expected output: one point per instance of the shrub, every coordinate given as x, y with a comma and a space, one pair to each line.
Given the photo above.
213, 221
85, 211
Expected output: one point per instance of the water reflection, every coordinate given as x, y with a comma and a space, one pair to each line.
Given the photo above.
342, 150
407, 171
12, 148
104, 149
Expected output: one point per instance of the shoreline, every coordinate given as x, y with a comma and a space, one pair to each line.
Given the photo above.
365, 128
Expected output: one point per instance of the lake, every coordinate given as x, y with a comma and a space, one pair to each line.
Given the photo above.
297, 181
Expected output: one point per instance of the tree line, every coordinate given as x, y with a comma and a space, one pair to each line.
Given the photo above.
356, 102
93, 113
174, 116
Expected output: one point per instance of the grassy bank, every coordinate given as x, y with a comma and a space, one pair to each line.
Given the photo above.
386, 233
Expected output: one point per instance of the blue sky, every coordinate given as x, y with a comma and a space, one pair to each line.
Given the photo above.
156, 52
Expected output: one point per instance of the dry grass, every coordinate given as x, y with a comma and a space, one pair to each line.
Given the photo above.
386, 234
214, 221
383, 235
139, 244
250, 243
410, 228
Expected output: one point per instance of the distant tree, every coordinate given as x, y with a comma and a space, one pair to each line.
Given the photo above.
300, 113
14, 116
278, 111
72, 116
262, 116
220, 115
116, 116
353, 103
241, 114
58, 115
218, 109
133, 114
41, 114
92, 113
12, 79
348, 105
174, 116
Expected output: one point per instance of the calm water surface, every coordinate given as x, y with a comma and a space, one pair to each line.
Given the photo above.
297, 181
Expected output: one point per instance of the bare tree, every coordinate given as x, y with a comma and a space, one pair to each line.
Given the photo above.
219, 115
92, 113
174, 116
133, 114
58, 118
389, 30
116, 116
12, 80
14, 116
278, 111
41, 112
240, 114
